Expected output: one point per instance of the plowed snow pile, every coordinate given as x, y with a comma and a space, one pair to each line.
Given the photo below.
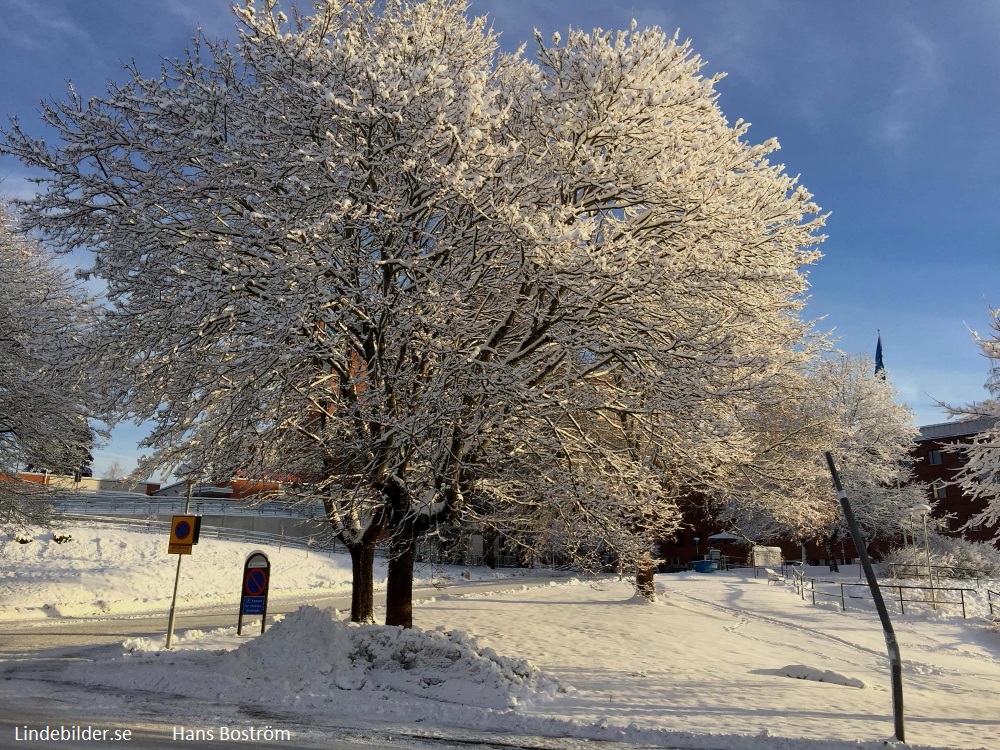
312, 657
311, 652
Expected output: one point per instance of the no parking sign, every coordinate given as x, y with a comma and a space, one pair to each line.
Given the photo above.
256, 580
184, 533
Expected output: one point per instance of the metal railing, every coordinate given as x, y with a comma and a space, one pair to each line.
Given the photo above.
938, 594
990, 594
919, 570
322, 542
130, 503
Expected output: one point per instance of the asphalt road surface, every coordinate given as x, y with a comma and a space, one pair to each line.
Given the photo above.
64, 636
33, 698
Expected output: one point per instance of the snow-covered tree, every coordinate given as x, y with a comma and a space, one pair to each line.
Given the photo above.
841, 406
43, 417
365, 249
115, 470
979, 477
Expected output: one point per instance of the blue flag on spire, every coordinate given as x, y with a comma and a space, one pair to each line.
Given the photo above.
879, 364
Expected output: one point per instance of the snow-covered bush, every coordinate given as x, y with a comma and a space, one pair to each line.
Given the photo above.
951, 557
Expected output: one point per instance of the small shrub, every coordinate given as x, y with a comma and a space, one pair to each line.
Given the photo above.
22, 538
62, 538
953, 557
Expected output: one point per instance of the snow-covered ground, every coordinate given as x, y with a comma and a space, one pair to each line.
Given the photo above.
725, 661
108, 570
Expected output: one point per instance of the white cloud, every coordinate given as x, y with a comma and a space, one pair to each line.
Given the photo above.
34, 26
921, 86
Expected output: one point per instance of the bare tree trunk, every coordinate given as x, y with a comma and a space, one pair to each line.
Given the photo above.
828, 551
489, 548
645, 569
363, 580
362, 566
399, 585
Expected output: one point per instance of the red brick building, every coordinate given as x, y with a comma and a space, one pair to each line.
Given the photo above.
938, 466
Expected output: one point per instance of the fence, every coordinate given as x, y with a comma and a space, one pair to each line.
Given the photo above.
990, 594
141, 505
323, 542
938, 595
904, 570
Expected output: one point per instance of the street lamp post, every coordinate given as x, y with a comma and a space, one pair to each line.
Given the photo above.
922, 510
891, 644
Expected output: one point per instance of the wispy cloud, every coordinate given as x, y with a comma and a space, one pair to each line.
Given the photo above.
921, 86
32, 26
216, 18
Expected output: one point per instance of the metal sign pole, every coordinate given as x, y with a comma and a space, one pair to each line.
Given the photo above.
892, 646
177, 578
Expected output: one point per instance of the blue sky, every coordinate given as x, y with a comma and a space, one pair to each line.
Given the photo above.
889, 111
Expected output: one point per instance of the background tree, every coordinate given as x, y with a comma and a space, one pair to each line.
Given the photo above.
784, 491
365, 249
115, 470
979, 477
43, 415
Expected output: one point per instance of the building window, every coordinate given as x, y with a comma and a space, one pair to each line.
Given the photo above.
934, 458
938, 490
971, 524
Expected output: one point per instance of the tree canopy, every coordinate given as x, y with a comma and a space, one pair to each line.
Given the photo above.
837, 404
43, 399
366, 248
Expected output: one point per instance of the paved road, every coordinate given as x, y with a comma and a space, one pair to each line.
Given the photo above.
66, 636
148, 729
33, 653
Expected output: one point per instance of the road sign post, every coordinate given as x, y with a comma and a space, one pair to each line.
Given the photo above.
256, 582
184, 533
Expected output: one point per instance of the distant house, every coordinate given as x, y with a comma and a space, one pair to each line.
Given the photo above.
236, 488
72, 482
937, 467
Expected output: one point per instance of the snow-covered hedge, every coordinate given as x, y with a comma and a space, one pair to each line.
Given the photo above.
958, 557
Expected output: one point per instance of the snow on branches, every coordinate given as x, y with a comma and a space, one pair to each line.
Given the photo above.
838, 405
43, 417
979, 477
367, 249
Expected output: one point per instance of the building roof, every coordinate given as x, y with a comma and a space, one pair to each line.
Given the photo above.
959, 428
178, 489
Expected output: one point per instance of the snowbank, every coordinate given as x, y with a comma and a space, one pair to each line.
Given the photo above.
311, 656
110, 570
319, 655
107, 570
